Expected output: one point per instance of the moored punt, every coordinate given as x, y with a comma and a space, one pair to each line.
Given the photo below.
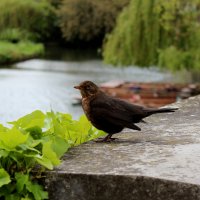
150, 94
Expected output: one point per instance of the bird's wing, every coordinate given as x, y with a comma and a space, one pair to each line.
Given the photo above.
116, 111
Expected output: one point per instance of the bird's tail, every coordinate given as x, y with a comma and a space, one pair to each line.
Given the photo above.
151, 111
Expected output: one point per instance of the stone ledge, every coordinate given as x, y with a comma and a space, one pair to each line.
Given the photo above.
160, 162
118, 187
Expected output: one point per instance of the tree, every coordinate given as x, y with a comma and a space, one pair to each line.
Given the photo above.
156, 32
88, 20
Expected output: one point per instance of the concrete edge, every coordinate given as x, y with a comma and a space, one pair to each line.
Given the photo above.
116, 187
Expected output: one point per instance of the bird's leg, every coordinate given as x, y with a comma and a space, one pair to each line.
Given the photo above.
108, 138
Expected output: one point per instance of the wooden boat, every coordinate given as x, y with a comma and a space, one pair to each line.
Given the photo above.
150, 94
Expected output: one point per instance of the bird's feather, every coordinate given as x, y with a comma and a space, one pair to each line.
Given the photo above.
120, 113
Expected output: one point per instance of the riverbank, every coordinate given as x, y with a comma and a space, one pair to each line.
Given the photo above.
14, 52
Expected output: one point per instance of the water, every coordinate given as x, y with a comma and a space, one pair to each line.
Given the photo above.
47, 83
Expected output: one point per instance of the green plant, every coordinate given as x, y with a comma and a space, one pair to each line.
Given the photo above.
15, 35
35, 17
87, 20
174, 58
12, 52
37, 139
150, 32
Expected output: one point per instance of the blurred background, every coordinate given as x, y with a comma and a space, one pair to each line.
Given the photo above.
145, 51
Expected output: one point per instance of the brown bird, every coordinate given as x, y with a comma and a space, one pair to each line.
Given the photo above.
111, 114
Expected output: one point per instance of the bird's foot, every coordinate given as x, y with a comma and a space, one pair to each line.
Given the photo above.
108, 138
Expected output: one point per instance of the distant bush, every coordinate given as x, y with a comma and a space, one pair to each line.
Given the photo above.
15, 35
164, 33
36, 17
87, 20
55, 2
10, 52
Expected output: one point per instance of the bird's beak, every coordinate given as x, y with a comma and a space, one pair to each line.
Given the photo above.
77, 87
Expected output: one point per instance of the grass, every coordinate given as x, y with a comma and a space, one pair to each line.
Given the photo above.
13, 52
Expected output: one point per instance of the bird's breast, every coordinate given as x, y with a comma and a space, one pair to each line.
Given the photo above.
86, 107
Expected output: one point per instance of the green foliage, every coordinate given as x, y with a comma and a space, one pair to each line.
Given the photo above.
55, 3
4, 177
87, 20
149, 32
135, 34
12, 52
35, 17
37, 139
15, 35
173, 57
22, 21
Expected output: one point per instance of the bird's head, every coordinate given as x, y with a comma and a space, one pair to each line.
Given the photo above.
87, 88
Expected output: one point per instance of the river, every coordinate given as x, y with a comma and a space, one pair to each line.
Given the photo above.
47, 83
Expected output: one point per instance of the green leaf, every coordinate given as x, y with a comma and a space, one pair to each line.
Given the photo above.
3, 153
60, 146
4, 177
26, 198
35, 132
37, 191
58, 129
34, 188
84, 124
64, 117
44, 162
3, 128
21, 181
49, 153
6, 190
33, 119
12, 138
13, 197
94, 133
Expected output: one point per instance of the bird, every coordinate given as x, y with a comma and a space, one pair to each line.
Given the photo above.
111, 114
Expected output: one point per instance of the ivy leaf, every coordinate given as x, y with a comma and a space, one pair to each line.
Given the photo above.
3, 153
34, 188
94, 133
33, 119
26, 198
37, 191
13, 197
13, 138
35, 132
4, 177
58, 129
7, 190
49, 153
64, 117
44, 162
21, 181
60, 146
3, 128
84, 125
